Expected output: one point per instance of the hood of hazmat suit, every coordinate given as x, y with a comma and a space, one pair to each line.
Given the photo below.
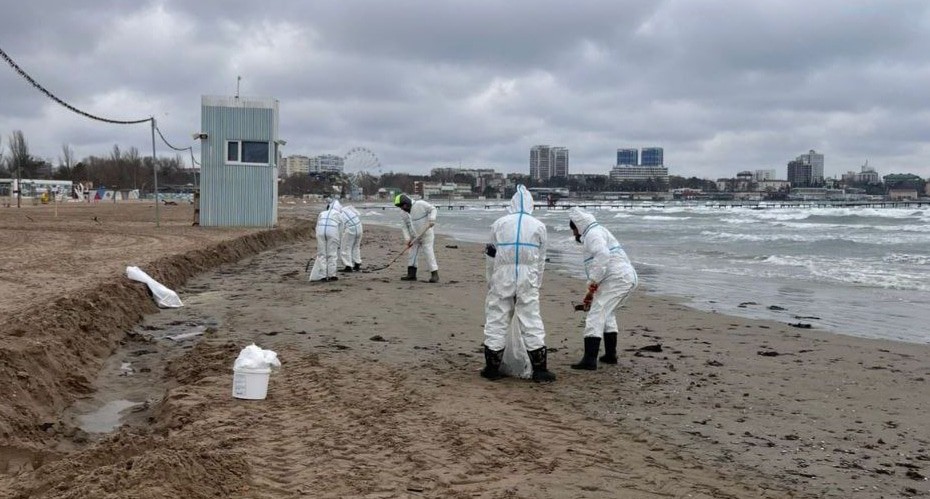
603, 255
520, 240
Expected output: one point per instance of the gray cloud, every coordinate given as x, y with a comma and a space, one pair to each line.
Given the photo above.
721, 85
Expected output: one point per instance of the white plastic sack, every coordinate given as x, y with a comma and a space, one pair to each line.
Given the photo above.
318, 272
516, 361
164, 297
253, 357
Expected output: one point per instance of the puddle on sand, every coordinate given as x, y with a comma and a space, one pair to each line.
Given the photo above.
107, 418
179, 330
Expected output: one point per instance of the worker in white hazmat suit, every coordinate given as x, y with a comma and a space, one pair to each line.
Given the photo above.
516, 259
419, 218
328, 232
350, 250
611, 280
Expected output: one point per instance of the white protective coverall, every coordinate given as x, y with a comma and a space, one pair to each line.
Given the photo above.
420, 216
328, 230
350, 251
605, 264
515, 275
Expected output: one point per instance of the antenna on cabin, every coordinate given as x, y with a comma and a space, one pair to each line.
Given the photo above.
238, 79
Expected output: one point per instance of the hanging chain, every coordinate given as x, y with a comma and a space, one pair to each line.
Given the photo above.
63, 103
163, 139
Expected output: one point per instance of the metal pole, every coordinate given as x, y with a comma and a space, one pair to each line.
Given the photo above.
19, 183
155, 171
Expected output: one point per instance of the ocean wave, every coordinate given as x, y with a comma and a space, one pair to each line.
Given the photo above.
663, 218
903, 228
907, 258
860, 237
854, 271
819, 226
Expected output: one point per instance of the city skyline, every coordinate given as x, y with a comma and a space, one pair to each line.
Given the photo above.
723, 86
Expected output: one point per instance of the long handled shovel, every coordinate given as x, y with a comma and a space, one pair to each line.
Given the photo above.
376, 269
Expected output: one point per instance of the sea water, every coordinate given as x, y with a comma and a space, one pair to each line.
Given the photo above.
856, 271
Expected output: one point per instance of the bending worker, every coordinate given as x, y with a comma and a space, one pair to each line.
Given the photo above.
350, 250
517, 259
328, 232
419, 218
611, 280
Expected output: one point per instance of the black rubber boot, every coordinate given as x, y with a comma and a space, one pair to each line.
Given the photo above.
492, 364
346, 269
434, 276
357, 267
538, 359
589, 361
411, 274
610, 349
333, 278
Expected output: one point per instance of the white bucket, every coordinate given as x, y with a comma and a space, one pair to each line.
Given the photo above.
250, 384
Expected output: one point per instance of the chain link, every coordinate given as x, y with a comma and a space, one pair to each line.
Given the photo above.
188, 148
55, 98
63, 103
163, 139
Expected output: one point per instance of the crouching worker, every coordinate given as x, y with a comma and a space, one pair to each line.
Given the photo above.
328, 232
611, 281
516, 259
350, 250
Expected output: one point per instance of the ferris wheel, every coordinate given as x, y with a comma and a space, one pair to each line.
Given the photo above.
361, 159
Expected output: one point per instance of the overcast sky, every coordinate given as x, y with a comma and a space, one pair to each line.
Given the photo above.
723, 86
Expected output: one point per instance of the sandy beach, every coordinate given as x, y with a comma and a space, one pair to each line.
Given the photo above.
379, 393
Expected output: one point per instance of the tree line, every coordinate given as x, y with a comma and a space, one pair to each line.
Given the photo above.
120, 169
331, 182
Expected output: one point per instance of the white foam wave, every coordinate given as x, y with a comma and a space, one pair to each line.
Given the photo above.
907, 259
854, 271
664, 218
861, 237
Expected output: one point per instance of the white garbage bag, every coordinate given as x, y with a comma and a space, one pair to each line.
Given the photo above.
254, 357
516, 361
164, 297
318, 272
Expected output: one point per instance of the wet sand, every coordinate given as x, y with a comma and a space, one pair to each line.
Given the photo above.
379, 396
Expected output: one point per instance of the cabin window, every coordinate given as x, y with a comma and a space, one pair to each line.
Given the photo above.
247, 152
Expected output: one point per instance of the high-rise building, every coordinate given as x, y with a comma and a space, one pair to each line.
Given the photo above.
547, 162
539, 162
653, 156
815, 160
327, 163
560, 162
800, 174
619, 173
294, 164
806, 170
628, 157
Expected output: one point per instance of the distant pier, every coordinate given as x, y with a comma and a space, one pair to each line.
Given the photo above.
760, 205
710, 204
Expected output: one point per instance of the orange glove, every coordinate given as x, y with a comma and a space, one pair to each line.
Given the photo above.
588, 298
